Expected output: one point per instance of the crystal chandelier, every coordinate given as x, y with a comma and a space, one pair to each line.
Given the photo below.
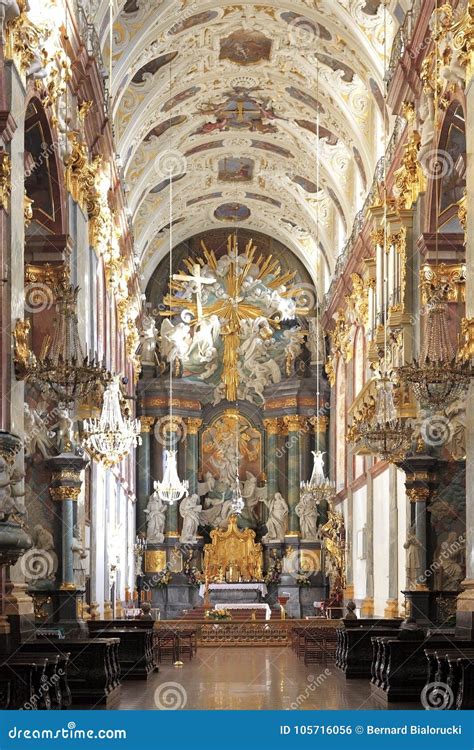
62, 369
385, 434
438, 378
171, 489
319, 486
110, 438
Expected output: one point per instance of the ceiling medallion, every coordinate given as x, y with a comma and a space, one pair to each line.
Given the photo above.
244, 82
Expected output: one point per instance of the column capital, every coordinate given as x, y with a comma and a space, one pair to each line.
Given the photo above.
193, 425
418, 494
294, 422
66, 480
146, 424
319, 424
271, 425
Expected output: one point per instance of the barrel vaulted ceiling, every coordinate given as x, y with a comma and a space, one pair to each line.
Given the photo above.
228, 95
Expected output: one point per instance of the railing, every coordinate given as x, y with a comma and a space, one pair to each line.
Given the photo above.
402, 39
90, 37
341, 261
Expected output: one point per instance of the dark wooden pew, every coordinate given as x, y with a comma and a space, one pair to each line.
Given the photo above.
354, 651
93, 668
135, 652
25, 681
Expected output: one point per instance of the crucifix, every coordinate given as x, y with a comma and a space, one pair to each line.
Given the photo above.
199, 281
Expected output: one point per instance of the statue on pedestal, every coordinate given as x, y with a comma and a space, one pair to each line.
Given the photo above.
156, 518
190, 511
307, 512
277, 518
10, 509
413, 564
79, 556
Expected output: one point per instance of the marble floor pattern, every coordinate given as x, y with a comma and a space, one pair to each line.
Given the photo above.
248, 678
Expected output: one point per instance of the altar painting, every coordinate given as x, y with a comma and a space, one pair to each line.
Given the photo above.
219, 449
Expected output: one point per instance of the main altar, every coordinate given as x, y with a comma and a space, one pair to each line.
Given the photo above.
238, 334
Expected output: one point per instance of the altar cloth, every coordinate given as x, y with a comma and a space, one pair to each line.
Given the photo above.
236, 605
261, 587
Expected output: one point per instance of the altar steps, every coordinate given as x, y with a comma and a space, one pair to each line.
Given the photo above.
239, 615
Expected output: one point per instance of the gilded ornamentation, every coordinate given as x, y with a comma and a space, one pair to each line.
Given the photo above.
358, 300
27, 210
399, 241
60, 494
466, 344
409, 179
418, 494
330, 371
23, 356
341, 337
320, 424
444, 282
193, 425
79, 178
233, 550
155, 561
271, 426
23, 38
462, 211
147, 424
5, 180
294, 422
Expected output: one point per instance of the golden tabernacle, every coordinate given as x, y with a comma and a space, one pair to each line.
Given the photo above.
233, 555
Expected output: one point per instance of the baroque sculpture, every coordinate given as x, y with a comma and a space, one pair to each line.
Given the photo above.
156, 518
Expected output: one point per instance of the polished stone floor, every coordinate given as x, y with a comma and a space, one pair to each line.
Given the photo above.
248, 678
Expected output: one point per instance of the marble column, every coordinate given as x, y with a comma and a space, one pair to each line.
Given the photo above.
271, 463
65, 488
144, 483
294, 425
465, 606
391, 608
193, 426
367, 605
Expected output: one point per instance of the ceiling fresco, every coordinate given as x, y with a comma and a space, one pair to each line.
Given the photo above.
203, 85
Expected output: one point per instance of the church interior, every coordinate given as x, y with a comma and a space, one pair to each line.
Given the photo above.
236, 354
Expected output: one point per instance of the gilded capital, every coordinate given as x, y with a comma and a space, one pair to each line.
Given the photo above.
193, 425
320, 424
59, 494
146, 424
271, 426
418, 494
294, 422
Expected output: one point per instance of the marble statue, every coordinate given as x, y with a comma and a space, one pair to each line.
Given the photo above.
307, 512
79, 556
41, 561
148, 339
316, 342
64, 432
216, 512
207, 486
175, 340
450, 558
426, 127
37, 436
190, 512
9, 9
156, 518
10, 493
277, 518
203, 346
293, 347
249, 493
413, 561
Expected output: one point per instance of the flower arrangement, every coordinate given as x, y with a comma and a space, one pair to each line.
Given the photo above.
163, 578
218, 614
303, 579
273, 574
